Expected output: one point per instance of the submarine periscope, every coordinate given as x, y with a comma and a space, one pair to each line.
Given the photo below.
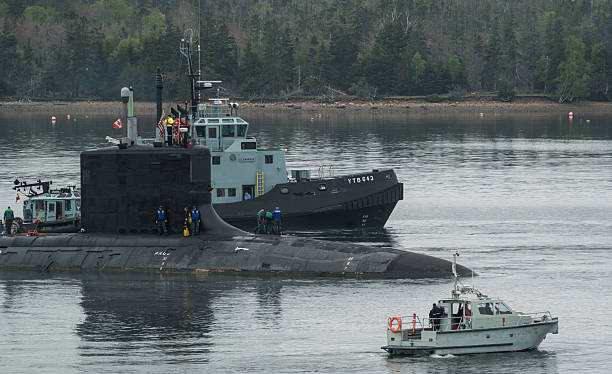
121, 188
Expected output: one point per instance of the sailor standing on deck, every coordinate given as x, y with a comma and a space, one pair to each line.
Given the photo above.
169, 122
195, 220
277, 228
161, 220
8, 219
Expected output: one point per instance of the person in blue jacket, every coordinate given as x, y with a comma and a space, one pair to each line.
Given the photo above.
161, 220
195, 220
277, 228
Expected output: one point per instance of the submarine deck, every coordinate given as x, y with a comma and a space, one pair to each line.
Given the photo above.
215, 253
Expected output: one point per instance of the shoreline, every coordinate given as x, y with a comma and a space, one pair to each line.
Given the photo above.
388, 106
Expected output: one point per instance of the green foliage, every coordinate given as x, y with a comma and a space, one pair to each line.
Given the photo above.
75, 48
434, 98
573, 76
505, 90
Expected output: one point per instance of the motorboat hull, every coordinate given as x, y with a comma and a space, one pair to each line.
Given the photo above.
474, 341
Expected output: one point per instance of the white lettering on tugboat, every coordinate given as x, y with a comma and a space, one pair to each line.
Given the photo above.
367, 178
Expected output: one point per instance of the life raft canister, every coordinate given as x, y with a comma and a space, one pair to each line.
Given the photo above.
399, 324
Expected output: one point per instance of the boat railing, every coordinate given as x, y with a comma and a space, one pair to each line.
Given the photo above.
325, 171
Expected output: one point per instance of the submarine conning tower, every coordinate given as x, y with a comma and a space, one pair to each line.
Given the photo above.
122, 187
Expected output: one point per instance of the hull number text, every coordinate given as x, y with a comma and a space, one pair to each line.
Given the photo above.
367, 178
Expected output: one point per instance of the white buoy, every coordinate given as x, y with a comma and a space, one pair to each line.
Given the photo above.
53, 119
571, 114
481, 114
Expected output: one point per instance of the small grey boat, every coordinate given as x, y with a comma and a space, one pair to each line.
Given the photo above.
470, 322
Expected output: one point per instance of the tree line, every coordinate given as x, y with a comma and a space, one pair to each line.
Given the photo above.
75, 49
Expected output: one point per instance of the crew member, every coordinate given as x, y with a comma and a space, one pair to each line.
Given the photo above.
434, 317
277, 221
195, 220
269, 218
188, 220
169, 122
8, 219
247, 195
161, 220
261, 222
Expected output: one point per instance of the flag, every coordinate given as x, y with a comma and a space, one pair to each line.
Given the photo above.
17, 198
160, 127
118, 124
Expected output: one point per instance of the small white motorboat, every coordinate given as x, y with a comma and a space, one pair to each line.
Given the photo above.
466, 323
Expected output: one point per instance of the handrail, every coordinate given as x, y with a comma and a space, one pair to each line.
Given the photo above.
465, 322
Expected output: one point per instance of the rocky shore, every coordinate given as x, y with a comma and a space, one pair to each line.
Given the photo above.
392, 106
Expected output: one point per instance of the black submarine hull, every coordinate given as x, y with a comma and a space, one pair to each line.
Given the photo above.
212, 253
357, 201
122, 188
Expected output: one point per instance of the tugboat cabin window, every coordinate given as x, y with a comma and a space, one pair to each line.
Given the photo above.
67, 205
227, 120
229, 131
220, 192
231, 192
248, 145
216, 160
51, 207
269, 159
242, 130
213, 121
40, 205
212, 132
200, 131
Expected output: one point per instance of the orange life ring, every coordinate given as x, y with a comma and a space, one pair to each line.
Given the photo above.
399, 324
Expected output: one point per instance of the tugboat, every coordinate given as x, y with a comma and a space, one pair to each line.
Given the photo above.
46, 209
246, 179
469, 322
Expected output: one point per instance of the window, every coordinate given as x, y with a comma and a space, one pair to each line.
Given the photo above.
485, 309
40, 205
269, 159
216, 160
213, 121
501, 308
67, 205
212, 132
227, 120
200, 131
242, 130
231, 192
229, 131
248, 145
51, 207
284, 190
220, 192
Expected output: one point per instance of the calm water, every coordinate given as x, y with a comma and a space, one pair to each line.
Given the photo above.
526, 200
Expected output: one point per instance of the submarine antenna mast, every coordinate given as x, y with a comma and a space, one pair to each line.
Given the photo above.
185, 49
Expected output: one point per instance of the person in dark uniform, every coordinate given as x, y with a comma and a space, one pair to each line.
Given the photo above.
277, 221
261, 222
188, 220
434, 317
161, 220
195, 220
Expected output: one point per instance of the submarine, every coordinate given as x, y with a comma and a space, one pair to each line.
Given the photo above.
121, 188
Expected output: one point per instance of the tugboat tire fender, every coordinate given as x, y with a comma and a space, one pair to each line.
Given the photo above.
399, 324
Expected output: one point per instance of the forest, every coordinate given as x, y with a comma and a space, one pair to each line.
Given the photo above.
323, 49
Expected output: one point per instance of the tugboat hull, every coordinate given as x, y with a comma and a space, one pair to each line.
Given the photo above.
364, 200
